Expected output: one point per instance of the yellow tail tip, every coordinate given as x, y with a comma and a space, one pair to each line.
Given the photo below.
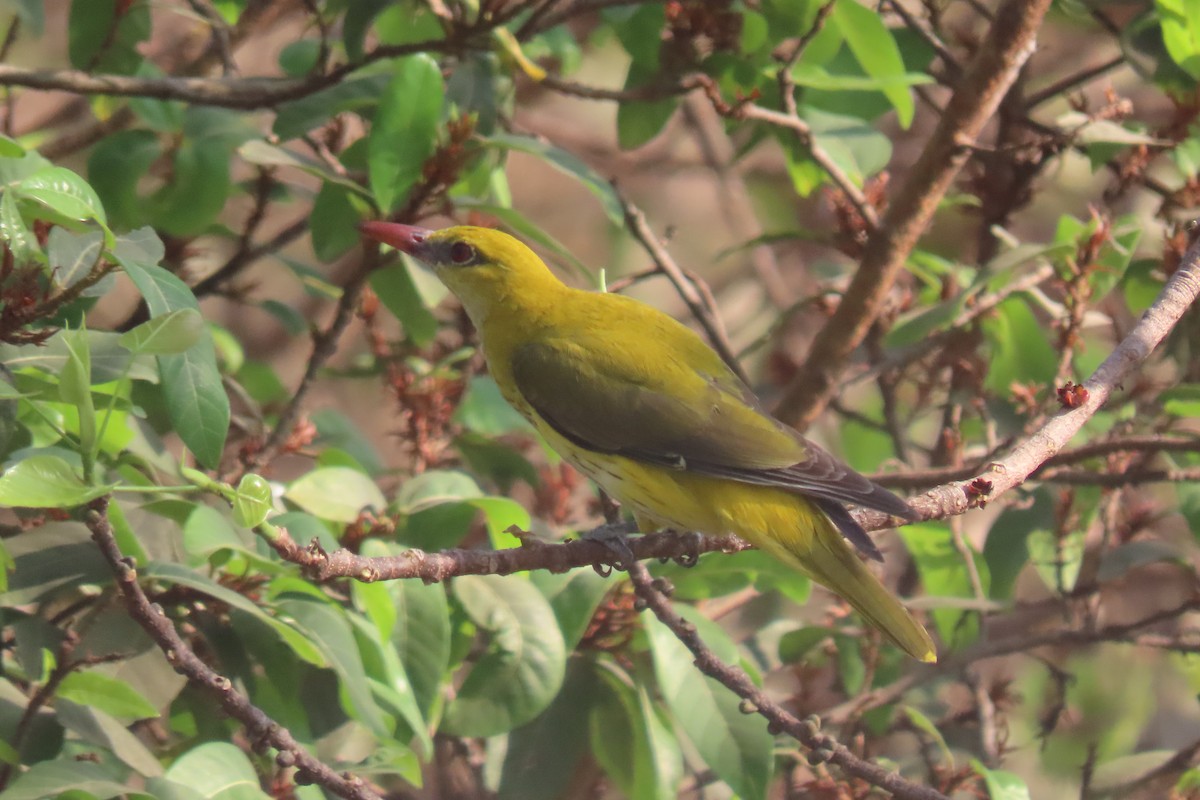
930, 657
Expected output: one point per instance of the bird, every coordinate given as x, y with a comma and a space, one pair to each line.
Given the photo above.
640, 404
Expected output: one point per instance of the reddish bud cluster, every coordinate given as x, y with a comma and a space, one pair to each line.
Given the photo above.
555, 493
441, 170
614, 623
24, 291
852, 229
1072, 395
977, 490
696, 30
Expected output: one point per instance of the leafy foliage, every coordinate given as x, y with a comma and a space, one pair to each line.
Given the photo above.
136, 367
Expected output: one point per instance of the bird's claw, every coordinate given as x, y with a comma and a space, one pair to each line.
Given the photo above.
614, 537
691, 555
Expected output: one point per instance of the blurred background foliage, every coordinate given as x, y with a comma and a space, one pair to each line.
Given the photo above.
189, 326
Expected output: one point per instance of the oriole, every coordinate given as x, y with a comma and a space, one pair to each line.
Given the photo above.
647, 410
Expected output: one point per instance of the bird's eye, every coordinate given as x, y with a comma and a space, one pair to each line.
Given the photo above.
461, 253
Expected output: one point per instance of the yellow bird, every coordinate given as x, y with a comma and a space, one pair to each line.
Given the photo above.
647, 410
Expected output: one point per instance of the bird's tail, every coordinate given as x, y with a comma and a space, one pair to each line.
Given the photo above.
829, 560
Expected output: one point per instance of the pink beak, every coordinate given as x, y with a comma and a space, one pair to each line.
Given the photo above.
405, 238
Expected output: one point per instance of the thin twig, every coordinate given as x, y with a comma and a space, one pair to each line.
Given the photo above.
635, 221
921, 479
324, 346
1069, 82
262, 731
734, 198
806, 732
247, 255
1014, 468
956, 663
804, 135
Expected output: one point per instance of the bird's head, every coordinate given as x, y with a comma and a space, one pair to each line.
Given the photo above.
482, 266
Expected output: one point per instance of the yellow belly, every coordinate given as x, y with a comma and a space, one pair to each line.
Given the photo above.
782, 523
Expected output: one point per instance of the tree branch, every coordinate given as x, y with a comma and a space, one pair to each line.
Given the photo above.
993, 70
262, 730
823, 746
1177, 295
533, 554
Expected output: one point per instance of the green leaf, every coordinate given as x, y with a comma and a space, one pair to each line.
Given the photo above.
1006, 550
500, 514
103, 35
816, 76
46, 481
332, 225
217, 770
433, 488
544, 755
1020, 352
169, 334
15, 233
638, 123
252, 503
200, 187
943, 574
523, 668
359, 91
338, 494
357, 22
404, 129
58, 777
207, 531
421, 635
484, 410
10, 148
1182, 400
925, 724
1141, 283
875, 50
569, 164
257, 151
74, 255
115, 166
196, 400
59, 558
1180, 21
179, 574
1001, 785
300, 57
75, 389
574, 596
62, 191
108, 694
632, 739
327, 627
9, 754
95, 727
109, 360
1057, 559
399, 295
736, 746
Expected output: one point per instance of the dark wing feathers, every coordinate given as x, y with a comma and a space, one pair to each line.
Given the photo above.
720, 431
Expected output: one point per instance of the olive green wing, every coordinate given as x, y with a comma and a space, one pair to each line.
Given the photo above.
675, 416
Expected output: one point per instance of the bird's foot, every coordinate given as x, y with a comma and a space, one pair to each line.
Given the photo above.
692, 542
615, 538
